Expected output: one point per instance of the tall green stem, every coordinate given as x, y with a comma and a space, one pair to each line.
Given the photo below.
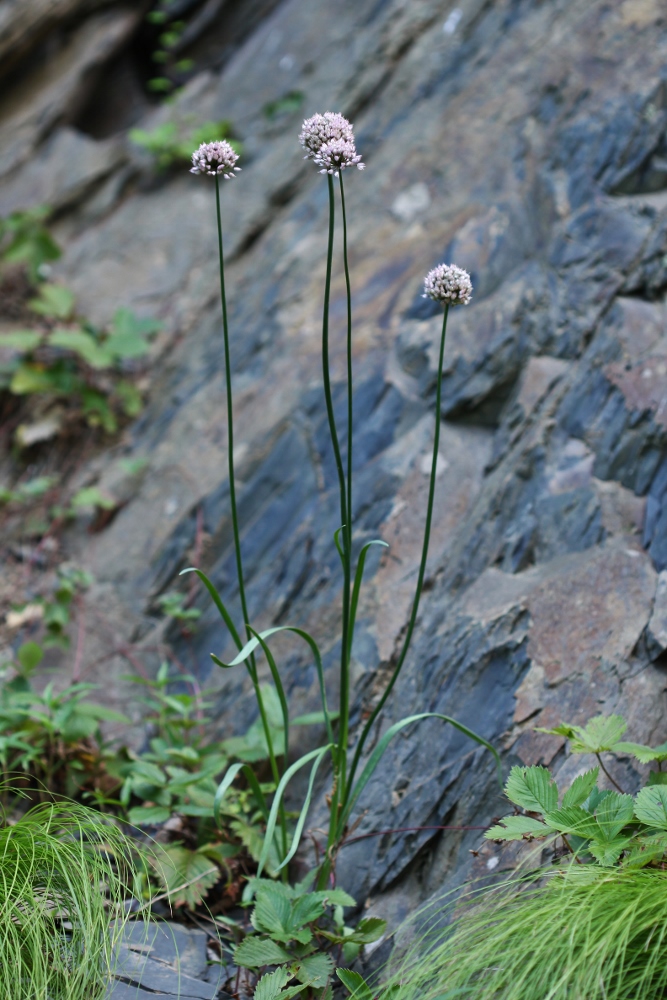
339, 763
346, 649
422, 569
252, 666
230, 423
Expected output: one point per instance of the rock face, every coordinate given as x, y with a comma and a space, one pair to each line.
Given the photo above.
525, 141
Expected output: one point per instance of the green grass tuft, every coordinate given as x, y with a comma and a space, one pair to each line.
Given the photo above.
582, 934
63, 870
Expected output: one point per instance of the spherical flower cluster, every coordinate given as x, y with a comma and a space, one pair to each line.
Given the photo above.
319, 129
336, 155
449, 284
215, 158
328, 139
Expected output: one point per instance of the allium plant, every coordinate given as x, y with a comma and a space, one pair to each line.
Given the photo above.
328, 140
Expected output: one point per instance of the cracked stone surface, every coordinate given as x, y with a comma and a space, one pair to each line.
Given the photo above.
545, 597
163, 959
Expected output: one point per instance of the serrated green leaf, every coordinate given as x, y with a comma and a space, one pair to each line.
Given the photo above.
81, 343
186, 875
581, 788
515, 827
532, 788
651, 806
600, 734
306, 909
355, 984
573, 819
315, 969
21, 340
657, 778
608, 852
270, 985
595, 798
255, 951
645, 850
643, 753
271, 913
613, 813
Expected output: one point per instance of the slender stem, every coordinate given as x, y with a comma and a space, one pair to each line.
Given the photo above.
346, 649
422, 566
230, 419
604, 769
349, 367
344, 679
251, 664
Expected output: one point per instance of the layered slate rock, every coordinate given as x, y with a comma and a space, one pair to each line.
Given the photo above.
164, 959
525, 142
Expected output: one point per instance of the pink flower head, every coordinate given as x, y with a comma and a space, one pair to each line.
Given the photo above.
336, 155
449, 284
215, 158
321, 129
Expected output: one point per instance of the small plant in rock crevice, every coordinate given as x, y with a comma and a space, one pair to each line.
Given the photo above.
67, 369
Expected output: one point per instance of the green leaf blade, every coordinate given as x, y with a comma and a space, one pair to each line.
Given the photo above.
516, 828
581, 788
255, 952
532, 788
651, 806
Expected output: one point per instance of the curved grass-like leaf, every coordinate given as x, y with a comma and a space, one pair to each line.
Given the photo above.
337, 542
377, 754
581, 932
226, 783
53, 862
257, 640
279, 687
356, 587
224, 613
316, 756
